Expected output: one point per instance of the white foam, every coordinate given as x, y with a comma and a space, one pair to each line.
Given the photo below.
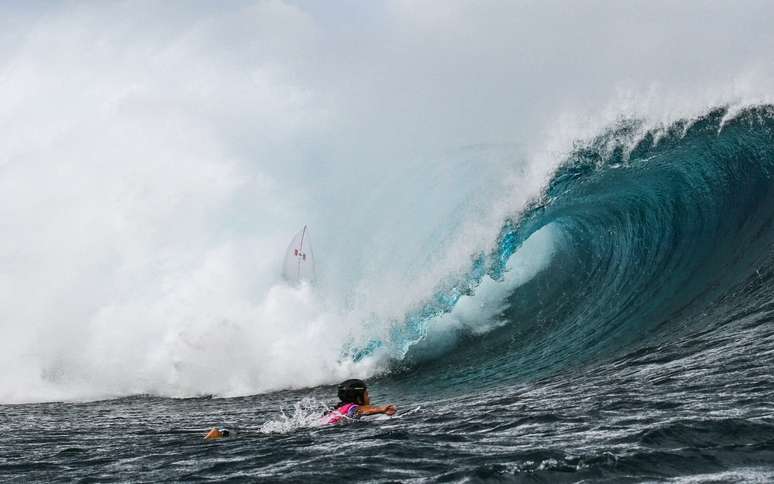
478, 313
307, 413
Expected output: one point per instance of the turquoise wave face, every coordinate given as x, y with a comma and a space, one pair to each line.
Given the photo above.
656, 229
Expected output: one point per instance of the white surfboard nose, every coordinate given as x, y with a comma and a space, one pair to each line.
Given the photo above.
299, 259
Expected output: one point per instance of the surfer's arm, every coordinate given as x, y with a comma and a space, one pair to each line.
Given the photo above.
375, 409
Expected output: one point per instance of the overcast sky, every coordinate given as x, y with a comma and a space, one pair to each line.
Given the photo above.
381, 79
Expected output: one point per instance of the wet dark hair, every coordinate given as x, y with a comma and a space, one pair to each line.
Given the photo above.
352, 391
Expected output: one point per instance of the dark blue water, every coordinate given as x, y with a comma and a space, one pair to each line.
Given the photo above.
643, 352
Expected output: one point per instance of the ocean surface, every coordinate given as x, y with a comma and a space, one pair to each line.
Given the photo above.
639, 348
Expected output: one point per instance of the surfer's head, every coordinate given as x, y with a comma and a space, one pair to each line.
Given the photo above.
353, 391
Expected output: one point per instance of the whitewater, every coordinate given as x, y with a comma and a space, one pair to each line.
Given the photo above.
543, 231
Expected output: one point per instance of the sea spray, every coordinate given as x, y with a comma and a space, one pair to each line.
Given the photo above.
307, 412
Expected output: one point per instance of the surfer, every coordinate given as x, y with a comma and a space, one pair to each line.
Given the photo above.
355, 403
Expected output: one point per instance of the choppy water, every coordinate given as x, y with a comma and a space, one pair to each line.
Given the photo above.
701, 409
640, 349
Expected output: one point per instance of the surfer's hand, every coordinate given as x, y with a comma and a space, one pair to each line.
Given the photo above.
390, 409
